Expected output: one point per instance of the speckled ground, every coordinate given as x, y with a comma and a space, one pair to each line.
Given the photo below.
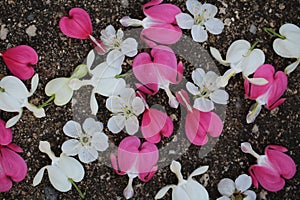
59, 55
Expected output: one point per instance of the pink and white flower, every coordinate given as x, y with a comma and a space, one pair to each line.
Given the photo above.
135, 160
198, 125
269, 94
272, 168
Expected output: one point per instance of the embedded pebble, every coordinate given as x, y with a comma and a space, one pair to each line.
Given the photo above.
31, 30
204, 180
3, 32
263, 195
281, 6
227, 22
255, 129
253, 29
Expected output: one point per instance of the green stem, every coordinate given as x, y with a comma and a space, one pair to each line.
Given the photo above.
272, 32
76, 187
253, 45
120, 76
47, 102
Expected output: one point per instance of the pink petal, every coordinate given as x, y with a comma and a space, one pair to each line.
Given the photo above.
216, 125
266, 177
247, 88
13, 165
148, 157
276, 104
19, 61
277, 89
180, 69
114, 163
162, 13
162, 34
5, 182
150, 89
284, 164
15, 148
277, 148
77, 25
183, 99
145, 177
128, 152
5, 134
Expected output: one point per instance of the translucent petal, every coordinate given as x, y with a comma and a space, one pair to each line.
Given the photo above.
193, 7
115, 104
109, 87
196, 191
219, 96
162, 192
198, 77
100, 141
217, 55
138, 106
127, 95
116, 123
243, 182
71, 147
251, 63
214, 26
72, 129
129, 47
192, 88
250, 195
71, 167
58, 179
115, 58
87, 155
203, 104
199, 34
184, 21
132, 125
208, 10
226, 187
91, 126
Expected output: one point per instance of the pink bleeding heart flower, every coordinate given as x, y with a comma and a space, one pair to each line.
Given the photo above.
268, 94
19, 61
12, 165
272, 168
155, 124
135, 160
158, 70
199, 124
160, 24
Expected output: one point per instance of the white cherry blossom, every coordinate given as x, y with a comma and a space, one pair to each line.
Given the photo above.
237, 190
126, 107
242, 58
86, 143
203, 20
206, 90
14, 96
185, 189
62, 171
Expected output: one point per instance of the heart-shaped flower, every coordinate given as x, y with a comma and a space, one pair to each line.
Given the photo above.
5, 134
19, 61
135, 160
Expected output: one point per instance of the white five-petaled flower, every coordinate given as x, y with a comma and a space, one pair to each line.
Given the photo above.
60, 87
206, 90
185, 189
14, 96
125, 108
86, 144
62, 170
241, 57
113, 40
237, 190
203, 19
288, 45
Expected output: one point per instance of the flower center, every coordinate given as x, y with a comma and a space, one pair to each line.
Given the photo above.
238, 195
117, 43
200, 19
85, 140
2, 89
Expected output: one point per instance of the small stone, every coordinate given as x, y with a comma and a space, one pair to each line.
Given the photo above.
172, 152
30, 17
281, 6
274, 111
263, 195
124, 3
253, 29
255, 129
222, 11
3, 32
204, 180
173, 117
31, 30
227, 22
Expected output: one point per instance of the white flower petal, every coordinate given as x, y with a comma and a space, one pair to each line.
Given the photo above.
290, 68
120, 34
219, 96
253, 113
109, 87
93, 103
199, 34
58, 179
184, 21
132, 125
87, 155
90, 59
14, 87
253, 61
138, 106
208, 10
257, 81
12, 121
179, 194
39, 176
193, 7
9, 103
72, 129
250, 195
226, 187
34, 84
176, 169
162, 192
71, 147
196, 191
115, 58
115, 104
100, 141
192, 88
104, 71
217, 55
71, 167
37, 112
116, 123
91, 126
198, 171
214, 26
127, 94
223, 198
198, 77
237, 50
203, 104
243, 182
60, 88
210, 80
129, 47
223, 80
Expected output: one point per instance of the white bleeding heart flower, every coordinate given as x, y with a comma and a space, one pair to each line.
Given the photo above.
185, 189
86, 143
288, 45
126, 107
242, 58
14, 96
236, 190
203, 20
62, 172
206, 90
